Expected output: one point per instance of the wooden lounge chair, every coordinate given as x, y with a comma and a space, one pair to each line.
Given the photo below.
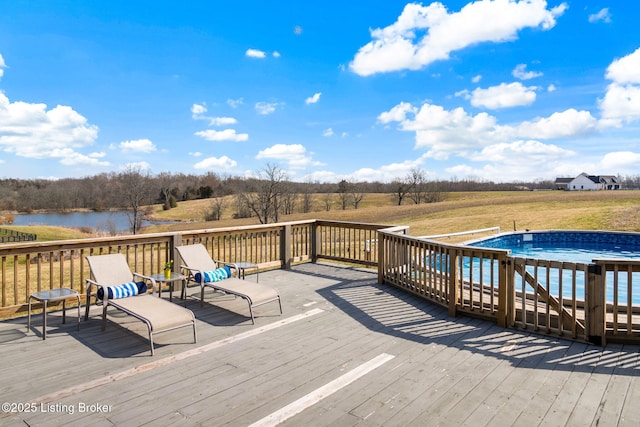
197, 262
112, 271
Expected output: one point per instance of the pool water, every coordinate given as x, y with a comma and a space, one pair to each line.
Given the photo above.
585, 254
572, 246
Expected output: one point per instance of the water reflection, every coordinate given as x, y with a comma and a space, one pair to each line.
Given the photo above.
100, 221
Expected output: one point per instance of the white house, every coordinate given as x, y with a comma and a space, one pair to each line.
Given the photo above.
589, 182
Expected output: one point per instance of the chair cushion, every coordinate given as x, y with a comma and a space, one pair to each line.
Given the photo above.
214, 275
124, 290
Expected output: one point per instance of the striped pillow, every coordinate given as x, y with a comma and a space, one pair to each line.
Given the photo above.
124, 290
214, 275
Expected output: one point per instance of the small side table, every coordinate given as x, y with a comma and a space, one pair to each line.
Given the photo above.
61, 294
175, 277
244, 266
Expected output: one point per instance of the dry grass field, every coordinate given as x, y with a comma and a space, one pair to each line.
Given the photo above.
535, 210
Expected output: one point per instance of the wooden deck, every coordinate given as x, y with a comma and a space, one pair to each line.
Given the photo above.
346, 351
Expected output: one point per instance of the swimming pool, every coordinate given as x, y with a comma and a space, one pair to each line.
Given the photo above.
573, 247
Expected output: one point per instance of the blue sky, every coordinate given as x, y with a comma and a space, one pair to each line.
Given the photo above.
491, 90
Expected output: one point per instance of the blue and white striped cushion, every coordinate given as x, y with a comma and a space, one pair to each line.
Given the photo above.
214, 275
124, 290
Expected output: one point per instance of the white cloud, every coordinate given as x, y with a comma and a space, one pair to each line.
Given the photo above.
137, 145
602, 16
328, 132
30, 130
255, 53
567, 123
503, 96
399, 46
222, 121
276, 54
516, 160
2, 65
198, 113
455, 132
620, 161
235, 103
313, 99
626, 69
476, 79
195, 153
222, 135
215, 163
294, 154
520, 72
386, 173
397, 113
621, 102
69, 157
551, 88
265, 108
197, 110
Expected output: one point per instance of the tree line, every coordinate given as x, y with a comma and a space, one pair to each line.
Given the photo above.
267, 195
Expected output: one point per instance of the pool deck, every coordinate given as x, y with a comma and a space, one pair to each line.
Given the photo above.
346, 351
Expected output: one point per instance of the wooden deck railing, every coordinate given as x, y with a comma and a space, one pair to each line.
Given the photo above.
30, 267
585, 302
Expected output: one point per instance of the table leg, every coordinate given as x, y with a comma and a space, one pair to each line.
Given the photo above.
78, 312
29, 316
44, 319
64, 310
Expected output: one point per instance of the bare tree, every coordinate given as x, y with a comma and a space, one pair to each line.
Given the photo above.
214, 213
262, 195
401, 189
328, 201
307, 199
166, 181
356, 194
289, 198
416, 179
343, 193
134, 188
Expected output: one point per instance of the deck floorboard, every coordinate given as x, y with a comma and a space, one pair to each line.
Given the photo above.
443, 371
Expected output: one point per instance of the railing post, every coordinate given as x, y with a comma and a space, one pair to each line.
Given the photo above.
504, 293
453, 282
595, 305
176, 240
316, 239
285, 247
382, 261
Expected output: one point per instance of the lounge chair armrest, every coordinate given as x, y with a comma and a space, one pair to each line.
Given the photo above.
91, 283
231, 265
150, 279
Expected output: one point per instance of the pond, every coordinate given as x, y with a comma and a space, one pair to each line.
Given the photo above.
99, 221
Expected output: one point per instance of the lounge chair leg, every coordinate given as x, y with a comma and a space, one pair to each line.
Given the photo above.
253, 322
104, 317
151, 340
88, 304
195, 336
